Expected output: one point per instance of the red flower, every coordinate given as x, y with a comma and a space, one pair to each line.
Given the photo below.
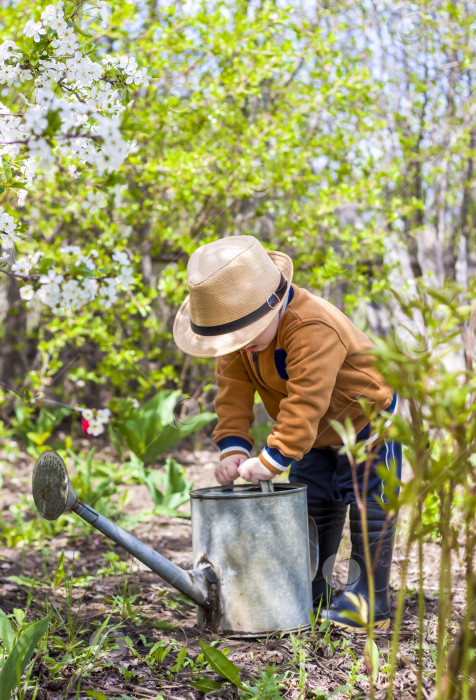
85, 427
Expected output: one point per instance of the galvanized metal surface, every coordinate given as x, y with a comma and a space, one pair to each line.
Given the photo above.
51, 487
251, 549
191, 583
54, 494
258, 544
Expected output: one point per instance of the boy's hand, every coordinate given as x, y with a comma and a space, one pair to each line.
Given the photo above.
227, 469
254, 470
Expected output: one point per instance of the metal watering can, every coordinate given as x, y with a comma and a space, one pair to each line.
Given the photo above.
255, 550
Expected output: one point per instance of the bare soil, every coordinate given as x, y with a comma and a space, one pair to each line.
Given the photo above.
157, 612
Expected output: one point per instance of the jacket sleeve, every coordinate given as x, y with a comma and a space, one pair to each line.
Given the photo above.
315, 354
233, 405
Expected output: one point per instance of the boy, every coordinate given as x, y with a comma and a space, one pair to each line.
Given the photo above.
302, 355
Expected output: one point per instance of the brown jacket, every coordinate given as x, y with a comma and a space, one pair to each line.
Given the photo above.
312, 372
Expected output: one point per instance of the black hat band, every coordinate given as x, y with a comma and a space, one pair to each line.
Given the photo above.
271, 302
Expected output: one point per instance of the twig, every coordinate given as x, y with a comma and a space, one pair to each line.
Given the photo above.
9, 388
114, 689
66, 276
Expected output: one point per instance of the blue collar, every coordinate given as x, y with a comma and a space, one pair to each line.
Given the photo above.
290, 296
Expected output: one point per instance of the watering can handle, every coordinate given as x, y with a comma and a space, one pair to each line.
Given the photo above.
266, 486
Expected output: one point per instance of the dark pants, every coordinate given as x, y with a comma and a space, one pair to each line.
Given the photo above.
328, 475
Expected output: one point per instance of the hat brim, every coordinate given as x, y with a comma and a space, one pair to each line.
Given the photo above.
216, 345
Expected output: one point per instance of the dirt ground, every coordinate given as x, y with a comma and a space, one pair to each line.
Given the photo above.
156, 611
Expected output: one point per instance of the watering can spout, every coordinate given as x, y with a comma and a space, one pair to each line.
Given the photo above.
54, 494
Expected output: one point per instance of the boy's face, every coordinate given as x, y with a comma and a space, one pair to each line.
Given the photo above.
264, 339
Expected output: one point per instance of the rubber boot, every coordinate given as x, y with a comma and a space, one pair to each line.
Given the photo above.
359, 584
329, 517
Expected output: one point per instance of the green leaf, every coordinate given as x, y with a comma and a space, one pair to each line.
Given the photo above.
16, 184
168, 512
59, 573
371, 651
340, 689
21, 654
6, 168
170, 435
221, 665
153, 428
114, 179
54, 122
78, 29
181, 656
206, 685
85, 271
38, 439
7, 635
159, 651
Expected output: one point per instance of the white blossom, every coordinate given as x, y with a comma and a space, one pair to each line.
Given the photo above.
96, 419
84, 78
49, 294
90, 290
108, 293
40, 149
51, 278
66, 44
103, 415
95, 427
53, 17
9, 74
117, 191
8, 239
34, 29
7, 222
94, 201
105, 11
8, 234
128, 65
28, 171
27, 292
73, 171
121, 257
35, 257
10, 132
80, 69
35, 120
74, 249
21, 267
125, 276
87, 122
69, 294
7, 50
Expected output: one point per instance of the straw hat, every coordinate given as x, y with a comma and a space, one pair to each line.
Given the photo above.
236, 288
